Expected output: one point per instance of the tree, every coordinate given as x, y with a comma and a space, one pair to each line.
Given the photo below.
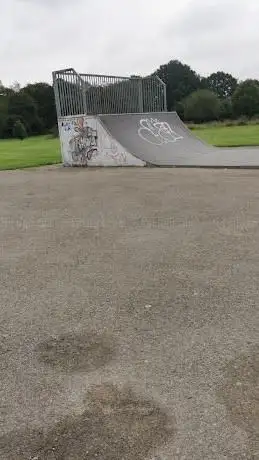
16, 86
24, 107
43, 95
8, 126
245, 99
180, 81
221, 83
19, 130
3, 108
201, 106
226, 109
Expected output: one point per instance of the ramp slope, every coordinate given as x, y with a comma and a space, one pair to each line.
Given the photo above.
162, 139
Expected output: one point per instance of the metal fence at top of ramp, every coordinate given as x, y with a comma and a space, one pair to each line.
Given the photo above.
89, 94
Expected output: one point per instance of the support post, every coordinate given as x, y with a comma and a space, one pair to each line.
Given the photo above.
56, 94
140, 96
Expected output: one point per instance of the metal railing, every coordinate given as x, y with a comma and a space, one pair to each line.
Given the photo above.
77, 94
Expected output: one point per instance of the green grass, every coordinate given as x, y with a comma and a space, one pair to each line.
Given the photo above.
228, 136
34, 151
42, 150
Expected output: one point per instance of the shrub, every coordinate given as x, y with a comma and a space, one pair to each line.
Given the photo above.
245, 99
53, 132
19, 130
201, 106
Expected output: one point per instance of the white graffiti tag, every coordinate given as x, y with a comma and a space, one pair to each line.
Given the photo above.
157, 132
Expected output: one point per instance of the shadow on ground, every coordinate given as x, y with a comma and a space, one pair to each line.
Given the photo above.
116, 424
71, 352
240, 394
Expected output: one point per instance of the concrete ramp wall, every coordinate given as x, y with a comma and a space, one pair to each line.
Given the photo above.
86, 142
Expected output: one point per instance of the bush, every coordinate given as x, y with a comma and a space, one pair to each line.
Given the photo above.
242, 121
53, 132
2, 125
245, 99
8, 127
255, 120
36, 126
24, 108
19, 130
226, 109
179, 107
201, 106
228, 123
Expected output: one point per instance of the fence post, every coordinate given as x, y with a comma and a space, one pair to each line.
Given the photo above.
165, 98
164, 92
83, 89
140, 95
56, 94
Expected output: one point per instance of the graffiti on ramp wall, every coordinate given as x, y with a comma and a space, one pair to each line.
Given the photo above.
157, 132
87, 143
83, 143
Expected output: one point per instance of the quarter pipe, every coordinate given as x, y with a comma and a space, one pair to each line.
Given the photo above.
157, 138
162, 139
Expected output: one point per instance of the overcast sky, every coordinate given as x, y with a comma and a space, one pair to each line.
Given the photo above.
125, 37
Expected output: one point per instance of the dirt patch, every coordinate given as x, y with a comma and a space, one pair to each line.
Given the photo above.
240, 394
71, 352
117, 424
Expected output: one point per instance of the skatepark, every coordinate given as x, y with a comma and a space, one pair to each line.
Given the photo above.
152, 138
130, 295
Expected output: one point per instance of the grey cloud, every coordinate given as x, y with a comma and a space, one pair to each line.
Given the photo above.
47, 3
219, 35
210, 16
38, 36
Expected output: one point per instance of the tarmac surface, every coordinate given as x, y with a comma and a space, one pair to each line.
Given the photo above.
129, 314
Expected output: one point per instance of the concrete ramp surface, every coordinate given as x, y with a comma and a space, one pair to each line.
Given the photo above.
162, 139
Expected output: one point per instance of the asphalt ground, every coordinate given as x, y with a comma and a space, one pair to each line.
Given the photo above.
129, 314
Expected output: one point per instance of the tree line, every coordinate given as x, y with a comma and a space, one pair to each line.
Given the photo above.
31, 110
219, 96
27, 111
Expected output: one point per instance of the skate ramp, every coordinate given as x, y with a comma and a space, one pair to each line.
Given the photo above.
162, 139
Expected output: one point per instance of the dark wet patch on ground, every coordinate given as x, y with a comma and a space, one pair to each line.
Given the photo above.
240, 394
71, 352
117, 424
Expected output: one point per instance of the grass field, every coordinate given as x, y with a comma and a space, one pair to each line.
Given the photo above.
42, 150
34, 151
229, 136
